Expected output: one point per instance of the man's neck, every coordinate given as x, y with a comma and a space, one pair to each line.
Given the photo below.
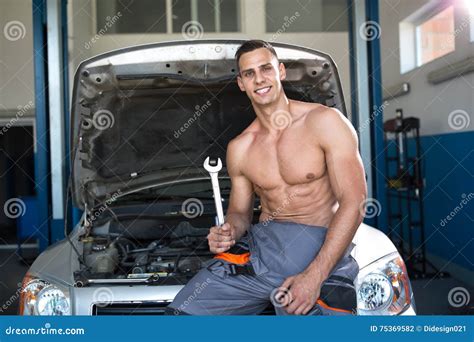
266, 114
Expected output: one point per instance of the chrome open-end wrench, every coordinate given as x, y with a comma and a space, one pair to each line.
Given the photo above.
213, 166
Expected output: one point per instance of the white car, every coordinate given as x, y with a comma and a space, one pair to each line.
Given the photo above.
143, 120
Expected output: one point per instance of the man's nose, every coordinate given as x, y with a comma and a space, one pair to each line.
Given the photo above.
259, 78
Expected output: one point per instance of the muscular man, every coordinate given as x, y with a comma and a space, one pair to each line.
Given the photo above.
302, 160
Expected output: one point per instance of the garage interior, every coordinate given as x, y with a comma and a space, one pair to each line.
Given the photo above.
407, 74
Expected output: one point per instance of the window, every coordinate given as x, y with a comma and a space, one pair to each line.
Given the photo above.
427, 34
470, 9
162, 16
306, 16
435, 36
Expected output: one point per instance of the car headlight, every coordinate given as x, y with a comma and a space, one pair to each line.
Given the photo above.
383, 287
39, 297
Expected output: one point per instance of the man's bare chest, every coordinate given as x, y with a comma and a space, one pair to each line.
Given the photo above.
293, 159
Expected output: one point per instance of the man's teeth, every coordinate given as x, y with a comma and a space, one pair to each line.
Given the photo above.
263, 90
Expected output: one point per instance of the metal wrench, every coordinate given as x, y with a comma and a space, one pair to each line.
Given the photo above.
213, 167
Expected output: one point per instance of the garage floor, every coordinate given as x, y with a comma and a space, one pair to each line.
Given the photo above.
431, 295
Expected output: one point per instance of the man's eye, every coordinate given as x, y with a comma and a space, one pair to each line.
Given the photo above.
248, 74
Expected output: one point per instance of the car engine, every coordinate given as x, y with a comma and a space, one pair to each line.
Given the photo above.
179, 252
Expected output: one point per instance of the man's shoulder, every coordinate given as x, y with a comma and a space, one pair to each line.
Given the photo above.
238, 146
322, 118
321, 113
330, 126
242, 141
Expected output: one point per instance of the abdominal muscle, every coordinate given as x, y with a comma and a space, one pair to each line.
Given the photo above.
310, 203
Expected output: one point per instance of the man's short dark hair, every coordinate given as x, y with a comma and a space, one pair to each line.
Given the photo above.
251, 45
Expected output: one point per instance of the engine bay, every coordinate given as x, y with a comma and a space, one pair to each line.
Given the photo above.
178, 253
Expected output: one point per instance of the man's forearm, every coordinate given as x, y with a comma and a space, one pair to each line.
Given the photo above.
340, 233
240, 222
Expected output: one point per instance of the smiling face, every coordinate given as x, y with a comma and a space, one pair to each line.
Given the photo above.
260, 76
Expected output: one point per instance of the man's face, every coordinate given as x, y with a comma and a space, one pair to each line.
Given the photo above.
260, 76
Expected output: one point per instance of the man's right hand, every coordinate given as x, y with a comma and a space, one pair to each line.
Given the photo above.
221, 238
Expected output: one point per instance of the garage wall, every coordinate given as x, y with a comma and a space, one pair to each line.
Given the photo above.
448, 152
431, 103
17, 72
16, 58
81, 32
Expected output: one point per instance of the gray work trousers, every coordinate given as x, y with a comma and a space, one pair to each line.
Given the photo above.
275, 250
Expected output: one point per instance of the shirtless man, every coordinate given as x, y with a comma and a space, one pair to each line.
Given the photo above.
302, 160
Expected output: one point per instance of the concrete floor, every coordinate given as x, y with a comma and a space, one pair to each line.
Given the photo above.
431, 296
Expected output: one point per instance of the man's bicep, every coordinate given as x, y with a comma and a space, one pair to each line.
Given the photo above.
241, 196
345, 168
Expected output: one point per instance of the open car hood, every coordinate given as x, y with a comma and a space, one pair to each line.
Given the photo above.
152, 113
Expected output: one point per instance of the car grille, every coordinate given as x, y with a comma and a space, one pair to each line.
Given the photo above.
130, 309
155, 308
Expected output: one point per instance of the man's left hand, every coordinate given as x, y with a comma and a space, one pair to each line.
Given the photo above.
304, 289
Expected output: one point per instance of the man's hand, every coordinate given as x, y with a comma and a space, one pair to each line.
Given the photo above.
304, 290
221, 238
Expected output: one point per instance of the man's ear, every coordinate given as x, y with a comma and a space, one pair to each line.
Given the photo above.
240, 83
282, 69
